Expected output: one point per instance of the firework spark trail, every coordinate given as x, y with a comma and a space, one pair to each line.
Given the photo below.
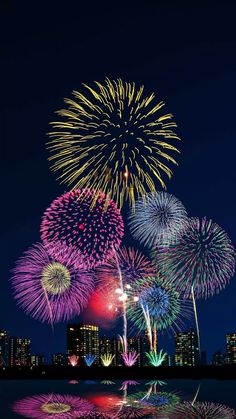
196, 394
124, 337
148, 325
112, 138
196, 322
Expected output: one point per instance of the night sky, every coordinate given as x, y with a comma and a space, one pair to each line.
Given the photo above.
184, 53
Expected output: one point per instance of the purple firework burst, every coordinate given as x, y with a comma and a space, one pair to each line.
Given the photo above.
47, 406
51, 289
96, 415
87, 220
201, 410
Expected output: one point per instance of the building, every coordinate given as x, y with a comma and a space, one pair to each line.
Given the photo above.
59, 360
19, 352
186, 349
218, 358
37, 360
73, 347
82, 340
203, 358
4, 348
231, 348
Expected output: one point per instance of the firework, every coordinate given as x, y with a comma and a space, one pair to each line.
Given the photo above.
127, 383
160, 399
203, 259
201, 263
78, 221
155, 358
156, 302
107, 403
133, 410
203, 410
113, 137
107, 382
129, 358
132, 265
52, 405
50, 288
158, 216
73, 360
89, 360
95, 415
104, 303
107, 359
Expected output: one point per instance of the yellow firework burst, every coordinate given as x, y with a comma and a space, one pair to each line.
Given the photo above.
55, 278
114, 138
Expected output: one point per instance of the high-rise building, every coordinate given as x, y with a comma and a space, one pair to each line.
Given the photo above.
203, 360
4, 348
37, 360
59, 359
82, 340
19, 352
231, 348
186, 349
73, 334
218, 358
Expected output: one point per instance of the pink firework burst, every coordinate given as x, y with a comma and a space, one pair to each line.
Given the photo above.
129, 358
47, 406
48, 288
87, 220
132, 265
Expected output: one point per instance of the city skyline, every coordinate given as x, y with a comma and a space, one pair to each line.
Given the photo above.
87, 339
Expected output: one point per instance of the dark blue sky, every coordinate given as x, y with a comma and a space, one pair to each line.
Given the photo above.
185, 53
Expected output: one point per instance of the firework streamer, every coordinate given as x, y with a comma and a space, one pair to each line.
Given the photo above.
114, 138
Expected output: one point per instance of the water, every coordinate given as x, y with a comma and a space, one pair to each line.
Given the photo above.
115, 398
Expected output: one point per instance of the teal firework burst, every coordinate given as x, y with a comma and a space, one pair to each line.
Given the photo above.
156, 302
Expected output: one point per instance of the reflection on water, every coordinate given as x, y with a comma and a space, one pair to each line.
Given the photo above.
174, 399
